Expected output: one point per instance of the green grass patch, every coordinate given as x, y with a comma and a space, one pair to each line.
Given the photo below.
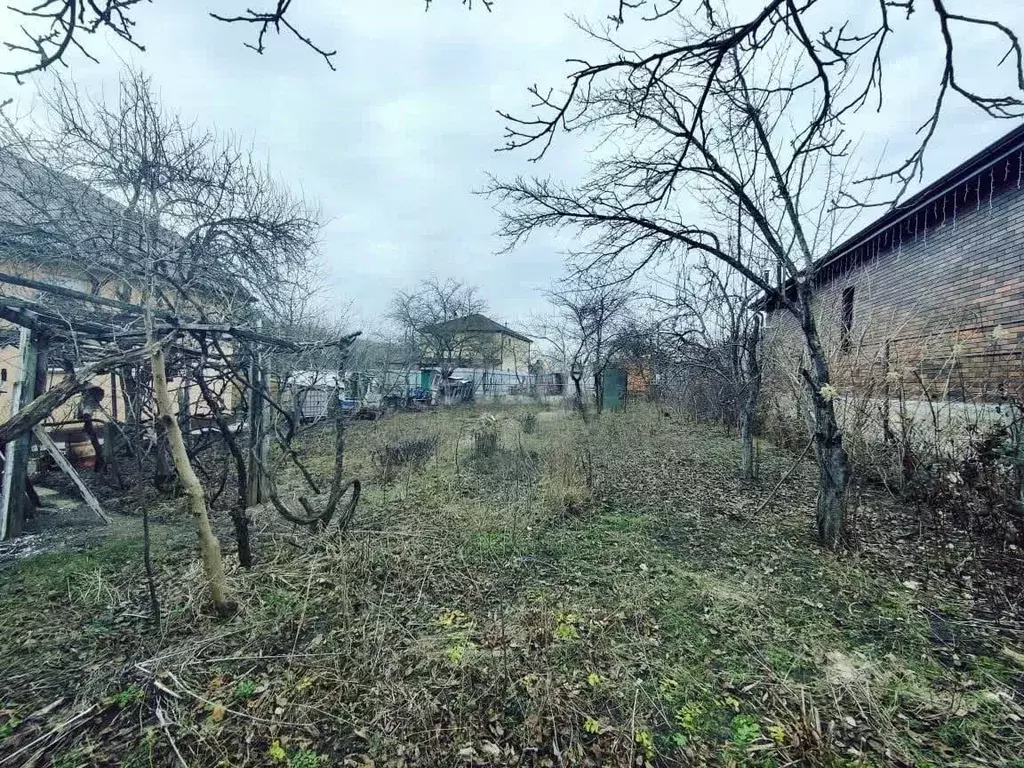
602, 594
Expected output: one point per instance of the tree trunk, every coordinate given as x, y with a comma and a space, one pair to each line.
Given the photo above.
135, 388
239, 516
746, 445
832, 479
209, 547
163, 476
110, 443
750, 376
833, 464
256, 428
578, 403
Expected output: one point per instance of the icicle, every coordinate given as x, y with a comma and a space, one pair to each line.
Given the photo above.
1020, 168
991, 189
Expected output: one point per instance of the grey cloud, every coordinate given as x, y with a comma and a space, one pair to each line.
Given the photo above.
394, 143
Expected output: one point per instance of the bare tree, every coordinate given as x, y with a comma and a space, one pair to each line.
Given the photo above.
590, 310
173, 219
748, 114
303, 314
829, 46
713, 326
430, 314
384, 360
560, 350
743, 155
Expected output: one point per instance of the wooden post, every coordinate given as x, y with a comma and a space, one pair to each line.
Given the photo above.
34, 386
13, 500
268, 421
10, 528
65, 465
254, 492
113, 396
184, 411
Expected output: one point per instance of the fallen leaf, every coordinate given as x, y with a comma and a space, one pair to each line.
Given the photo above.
490, 748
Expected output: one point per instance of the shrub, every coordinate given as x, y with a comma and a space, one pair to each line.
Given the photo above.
928, 437
528, 421
485, 437
392, 455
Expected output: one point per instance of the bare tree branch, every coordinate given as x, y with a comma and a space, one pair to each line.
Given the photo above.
51, 28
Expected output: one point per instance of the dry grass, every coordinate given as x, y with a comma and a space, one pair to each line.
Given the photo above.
594, 595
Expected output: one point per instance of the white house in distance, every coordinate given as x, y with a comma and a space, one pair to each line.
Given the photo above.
480, 356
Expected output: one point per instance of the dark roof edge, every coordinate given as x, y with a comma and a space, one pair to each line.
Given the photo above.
998, 150
496, 327
514, 334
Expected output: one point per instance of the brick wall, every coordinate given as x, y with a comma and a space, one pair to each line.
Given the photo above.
938, 299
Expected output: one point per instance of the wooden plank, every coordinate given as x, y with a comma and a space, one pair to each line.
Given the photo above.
33, 358
65, 465
5, 495
10, 527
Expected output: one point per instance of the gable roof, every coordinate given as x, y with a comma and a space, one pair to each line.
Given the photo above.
39, 208
1007, 148
51, 219
475, 323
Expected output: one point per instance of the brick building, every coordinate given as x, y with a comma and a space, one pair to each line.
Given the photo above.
930, 295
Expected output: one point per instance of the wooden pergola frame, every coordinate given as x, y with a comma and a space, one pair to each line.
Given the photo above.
31, 401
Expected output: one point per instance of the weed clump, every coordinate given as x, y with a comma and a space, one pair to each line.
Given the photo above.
392, 455
485, 437
567, 483
528, 421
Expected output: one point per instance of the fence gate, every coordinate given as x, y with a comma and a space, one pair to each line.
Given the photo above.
614, 389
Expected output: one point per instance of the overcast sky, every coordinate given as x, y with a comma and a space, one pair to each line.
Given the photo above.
393, 144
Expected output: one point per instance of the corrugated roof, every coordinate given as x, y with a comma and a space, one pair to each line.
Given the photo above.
475, 323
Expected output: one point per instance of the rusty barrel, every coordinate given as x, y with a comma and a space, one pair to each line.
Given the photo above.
80, 452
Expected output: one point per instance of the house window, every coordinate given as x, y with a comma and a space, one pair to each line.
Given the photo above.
846, 338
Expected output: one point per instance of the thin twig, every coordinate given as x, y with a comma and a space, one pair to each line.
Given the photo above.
165, 724
785, 477
86, 714
305, 603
